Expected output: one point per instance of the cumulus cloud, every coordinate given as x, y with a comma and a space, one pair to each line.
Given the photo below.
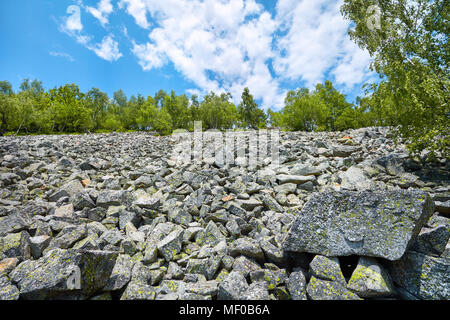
137, 9
108, 49
226, 45
102, 11
316, 43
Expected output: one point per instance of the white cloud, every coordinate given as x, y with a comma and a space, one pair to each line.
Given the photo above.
137, 9
226, 45
108, 49
148, 56
102, 11
316, 43
62, 55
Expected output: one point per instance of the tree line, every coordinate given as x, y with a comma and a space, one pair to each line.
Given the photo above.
66, 109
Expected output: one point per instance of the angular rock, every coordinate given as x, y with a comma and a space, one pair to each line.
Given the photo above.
113, 198
326, 269
425, 277
15, 245
171, 245
283, 178
14, 222
296, 285
377, 224
64, 274
69, 189
233, 287
247, 247
7, 290
370, 280
38, 244
121, 273
432, 241
138, 291
328, 290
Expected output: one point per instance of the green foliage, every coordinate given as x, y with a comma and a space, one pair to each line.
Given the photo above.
249, 113
411, 54
217, 112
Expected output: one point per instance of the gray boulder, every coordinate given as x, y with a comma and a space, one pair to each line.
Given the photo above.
370, 279
64, 274
367, 223
423, 276
296, 285
329, 290
233, 287
7, 290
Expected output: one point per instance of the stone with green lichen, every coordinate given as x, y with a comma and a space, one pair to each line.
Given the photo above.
233, 287
327, 269
15, 245
138, 291
7, 290
318, 289
257, 291
211, 235
370, 279
121, 273
245, 265
171, 245
150, 253
67, 238
296, 285
203, 288
248, 247
88, 243
56, 275
366, 223
179, 216
432, 241
423, 276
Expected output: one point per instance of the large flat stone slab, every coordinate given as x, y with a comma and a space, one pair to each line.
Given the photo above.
367, 223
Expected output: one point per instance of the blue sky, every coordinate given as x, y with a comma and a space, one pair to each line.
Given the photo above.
190, 46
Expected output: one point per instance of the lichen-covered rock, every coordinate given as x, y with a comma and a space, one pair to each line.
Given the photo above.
14, 222
138, 291
257, 291
171, 245
15, 245
423, 276
318, 289
69, 189
370, 279
113, 198
64, 274
296, 285
247, 247
432, 241
367, 223
38, 244
327, 269
211, 235
121, 273
7, 290
233, 287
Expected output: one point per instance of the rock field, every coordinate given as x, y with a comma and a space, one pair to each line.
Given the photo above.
345, 216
